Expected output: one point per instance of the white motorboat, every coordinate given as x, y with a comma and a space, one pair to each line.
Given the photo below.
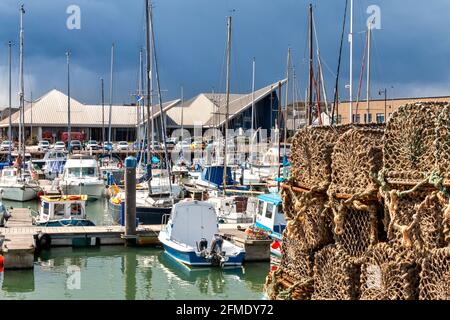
187, 232
15, 187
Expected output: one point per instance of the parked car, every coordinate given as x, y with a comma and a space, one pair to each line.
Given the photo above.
122, 146
43, 145
6, 145
92, 145
75, 145
107, 146
139, 144
60, 146
170, 144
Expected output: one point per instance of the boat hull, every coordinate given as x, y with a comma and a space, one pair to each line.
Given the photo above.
145, 215
67, 223
191, 258
19, 193
93, 191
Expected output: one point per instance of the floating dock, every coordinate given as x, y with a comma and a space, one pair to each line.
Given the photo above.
20, 238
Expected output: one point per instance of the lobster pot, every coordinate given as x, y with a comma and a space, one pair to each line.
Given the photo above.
356, 160
389, 273
336, 275
280, 286
356, 229
418, 219
311, 155
308, 219
409, 143
435, 275
295, 277
443, 144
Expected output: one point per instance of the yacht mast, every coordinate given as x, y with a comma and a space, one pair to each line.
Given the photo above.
311, 67
148, 77
9, 100
350, 39
369, 40
68, 102
253, 111
161, 115
111, 94
288, 69
103, 109
227, 105
21, 92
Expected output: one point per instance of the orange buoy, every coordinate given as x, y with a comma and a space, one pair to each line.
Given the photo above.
1, 263
276, 245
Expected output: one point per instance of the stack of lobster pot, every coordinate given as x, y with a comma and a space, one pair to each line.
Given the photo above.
309, 221
356, 213
414, 263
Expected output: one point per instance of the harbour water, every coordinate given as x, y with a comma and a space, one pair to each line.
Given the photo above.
116, 272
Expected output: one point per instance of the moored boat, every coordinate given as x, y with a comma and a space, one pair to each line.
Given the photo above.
185, 237
63, 211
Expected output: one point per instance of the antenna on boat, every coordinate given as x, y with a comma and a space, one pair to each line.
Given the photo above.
227, 104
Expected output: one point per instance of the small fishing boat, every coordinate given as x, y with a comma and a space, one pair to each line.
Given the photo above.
52, 164
185, 237
231, 209
270, 217
63, 211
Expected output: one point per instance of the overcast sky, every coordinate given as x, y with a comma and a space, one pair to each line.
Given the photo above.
411, 51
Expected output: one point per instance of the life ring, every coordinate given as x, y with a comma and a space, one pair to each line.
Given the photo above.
120, 165
74, 197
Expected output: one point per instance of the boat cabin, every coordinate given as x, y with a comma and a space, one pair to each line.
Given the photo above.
62, 208
270, 216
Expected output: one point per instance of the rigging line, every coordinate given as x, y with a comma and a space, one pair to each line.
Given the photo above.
362, 74
319, 62
336, 87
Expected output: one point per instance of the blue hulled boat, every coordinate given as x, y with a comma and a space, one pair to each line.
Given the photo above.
187, 232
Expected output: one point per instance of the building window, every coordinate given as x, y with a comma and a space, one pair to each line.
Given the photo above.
356, 118
365, 118
380, 117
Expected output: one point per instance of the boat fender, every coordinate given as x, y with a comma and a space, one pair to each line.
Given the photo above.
44, 241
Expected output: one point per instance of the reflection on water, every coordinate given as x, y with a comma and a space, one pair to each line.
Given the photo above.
128, 273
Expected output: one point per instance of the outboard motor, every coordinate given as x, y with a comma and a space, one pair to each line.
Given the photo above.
202, 247
216, 255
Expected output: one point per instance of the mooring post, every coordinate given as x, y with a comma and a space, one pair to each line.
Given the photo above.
130, 200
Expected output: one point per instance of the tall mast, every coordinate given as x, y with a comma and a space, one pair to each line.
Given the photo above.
31, 114
369, 40
21, 85
138, 106
103, 109
9, 100
111, 94
253, 109
149, 91
311, 67
279, 134
161, 115
227, 104
350, 39
68, 101
288, 69
182, 110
